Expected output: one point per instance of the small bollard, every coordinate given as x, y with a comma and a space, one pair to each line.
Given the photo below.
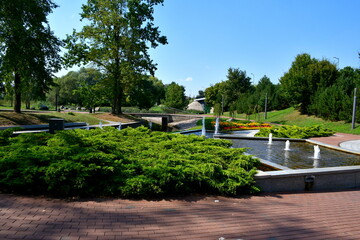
56, 124
309, 182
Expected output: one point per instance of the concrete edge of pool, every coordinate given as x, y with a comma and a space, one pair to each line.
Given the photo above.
297, 180
284, 179
314, 179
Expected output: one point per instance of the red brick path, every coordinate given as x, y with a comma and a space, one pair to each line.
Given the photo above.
326, 215
337, 138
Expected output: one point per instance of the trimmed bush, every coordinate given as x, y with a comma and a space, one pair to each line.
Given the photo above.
295, 132
126, 163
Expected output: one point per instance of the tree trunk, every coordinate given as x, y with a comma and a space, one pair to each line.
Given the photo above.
117, 91
17, 93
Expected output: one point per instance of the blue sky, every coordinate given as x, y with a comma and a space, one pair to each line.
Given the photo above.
261, 37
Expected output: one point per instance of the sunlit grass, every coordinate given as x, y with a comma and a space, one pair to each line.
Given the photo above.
290, 116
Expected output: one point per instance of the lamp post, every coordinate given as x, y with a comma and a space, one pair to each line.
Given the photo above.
354, 111
338, 60
266, 100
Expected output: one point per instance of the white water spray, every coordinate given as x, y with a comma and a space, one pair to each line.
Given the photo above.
270, 139
203, 130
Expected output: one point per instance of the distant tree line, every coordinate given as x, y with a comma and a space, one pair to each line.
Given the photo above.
312, 86
317, 87
238, 95
88, 88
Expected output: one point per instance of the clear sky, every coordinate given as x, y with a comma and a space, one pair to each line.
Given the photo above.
261, 37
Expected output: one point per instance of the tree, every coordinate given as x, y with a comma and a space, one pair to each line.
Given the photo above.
175, 96
89, 88
64, 89
335, 102
201, 94
147, 92
237, 83
214, 94
28, 48
304, 78
116, 41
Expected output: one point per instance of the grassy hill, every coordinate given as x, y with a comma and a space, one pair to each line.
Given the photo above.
290, 116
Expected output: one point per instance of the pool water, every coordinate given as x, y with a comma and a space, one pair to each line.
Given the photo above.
300, 155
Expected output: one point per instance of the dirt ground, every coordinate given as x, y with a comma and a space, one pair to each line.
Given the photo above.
11, 118
8, 118
115, 118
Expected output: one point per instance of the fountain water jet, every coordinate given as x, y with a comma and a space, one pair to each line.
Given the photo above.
316, 152
287, 145
150, 125
87, 126
119, 127
203, 130
100, 125
217, 126
270, 139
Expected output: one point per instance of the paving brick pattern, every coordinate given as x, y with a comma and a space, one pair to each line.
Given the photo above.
321, 215
337, 138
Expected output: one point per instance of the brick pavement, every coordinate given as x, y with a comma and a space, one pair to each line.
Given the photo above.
337, 138
321, 215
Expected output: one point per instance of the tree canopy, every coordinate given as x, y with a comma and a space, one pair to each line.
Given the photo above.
116, 40
175, 96
28, 48
304, 78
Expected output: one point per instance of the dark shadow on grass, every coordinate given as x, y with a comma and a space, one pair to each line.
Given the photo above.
280, 122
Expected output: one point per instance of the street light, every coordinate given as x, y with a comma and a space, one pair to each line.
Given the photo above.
337, 61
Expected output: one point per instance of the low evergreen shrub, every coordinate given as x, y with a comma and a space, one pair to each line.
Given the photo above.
127, 163
295, 132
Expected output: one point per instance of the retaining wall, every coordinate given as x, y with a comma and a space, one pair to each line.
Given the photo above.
295, 180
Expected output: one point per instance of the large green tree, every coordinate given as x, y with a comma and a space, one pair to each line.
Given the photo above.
147, 92
175, 96
335, 102
236, 84
214, 94
28, 48
116, 40
306, 76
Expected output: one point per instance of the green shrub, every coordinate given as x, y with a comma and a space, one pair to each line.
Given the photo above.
6, 134
295, 132
126, 163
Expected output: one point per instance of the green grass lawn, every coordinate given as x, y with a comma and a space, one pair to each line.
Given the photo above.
72, 117
290, 116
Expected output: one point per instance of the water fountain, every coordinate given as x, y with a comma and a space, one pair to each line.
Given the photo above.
150, 125
287, 145
270, 139
217, 126
100, 125
87, 126
119, 127
300, 155
316, 152
203, 130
